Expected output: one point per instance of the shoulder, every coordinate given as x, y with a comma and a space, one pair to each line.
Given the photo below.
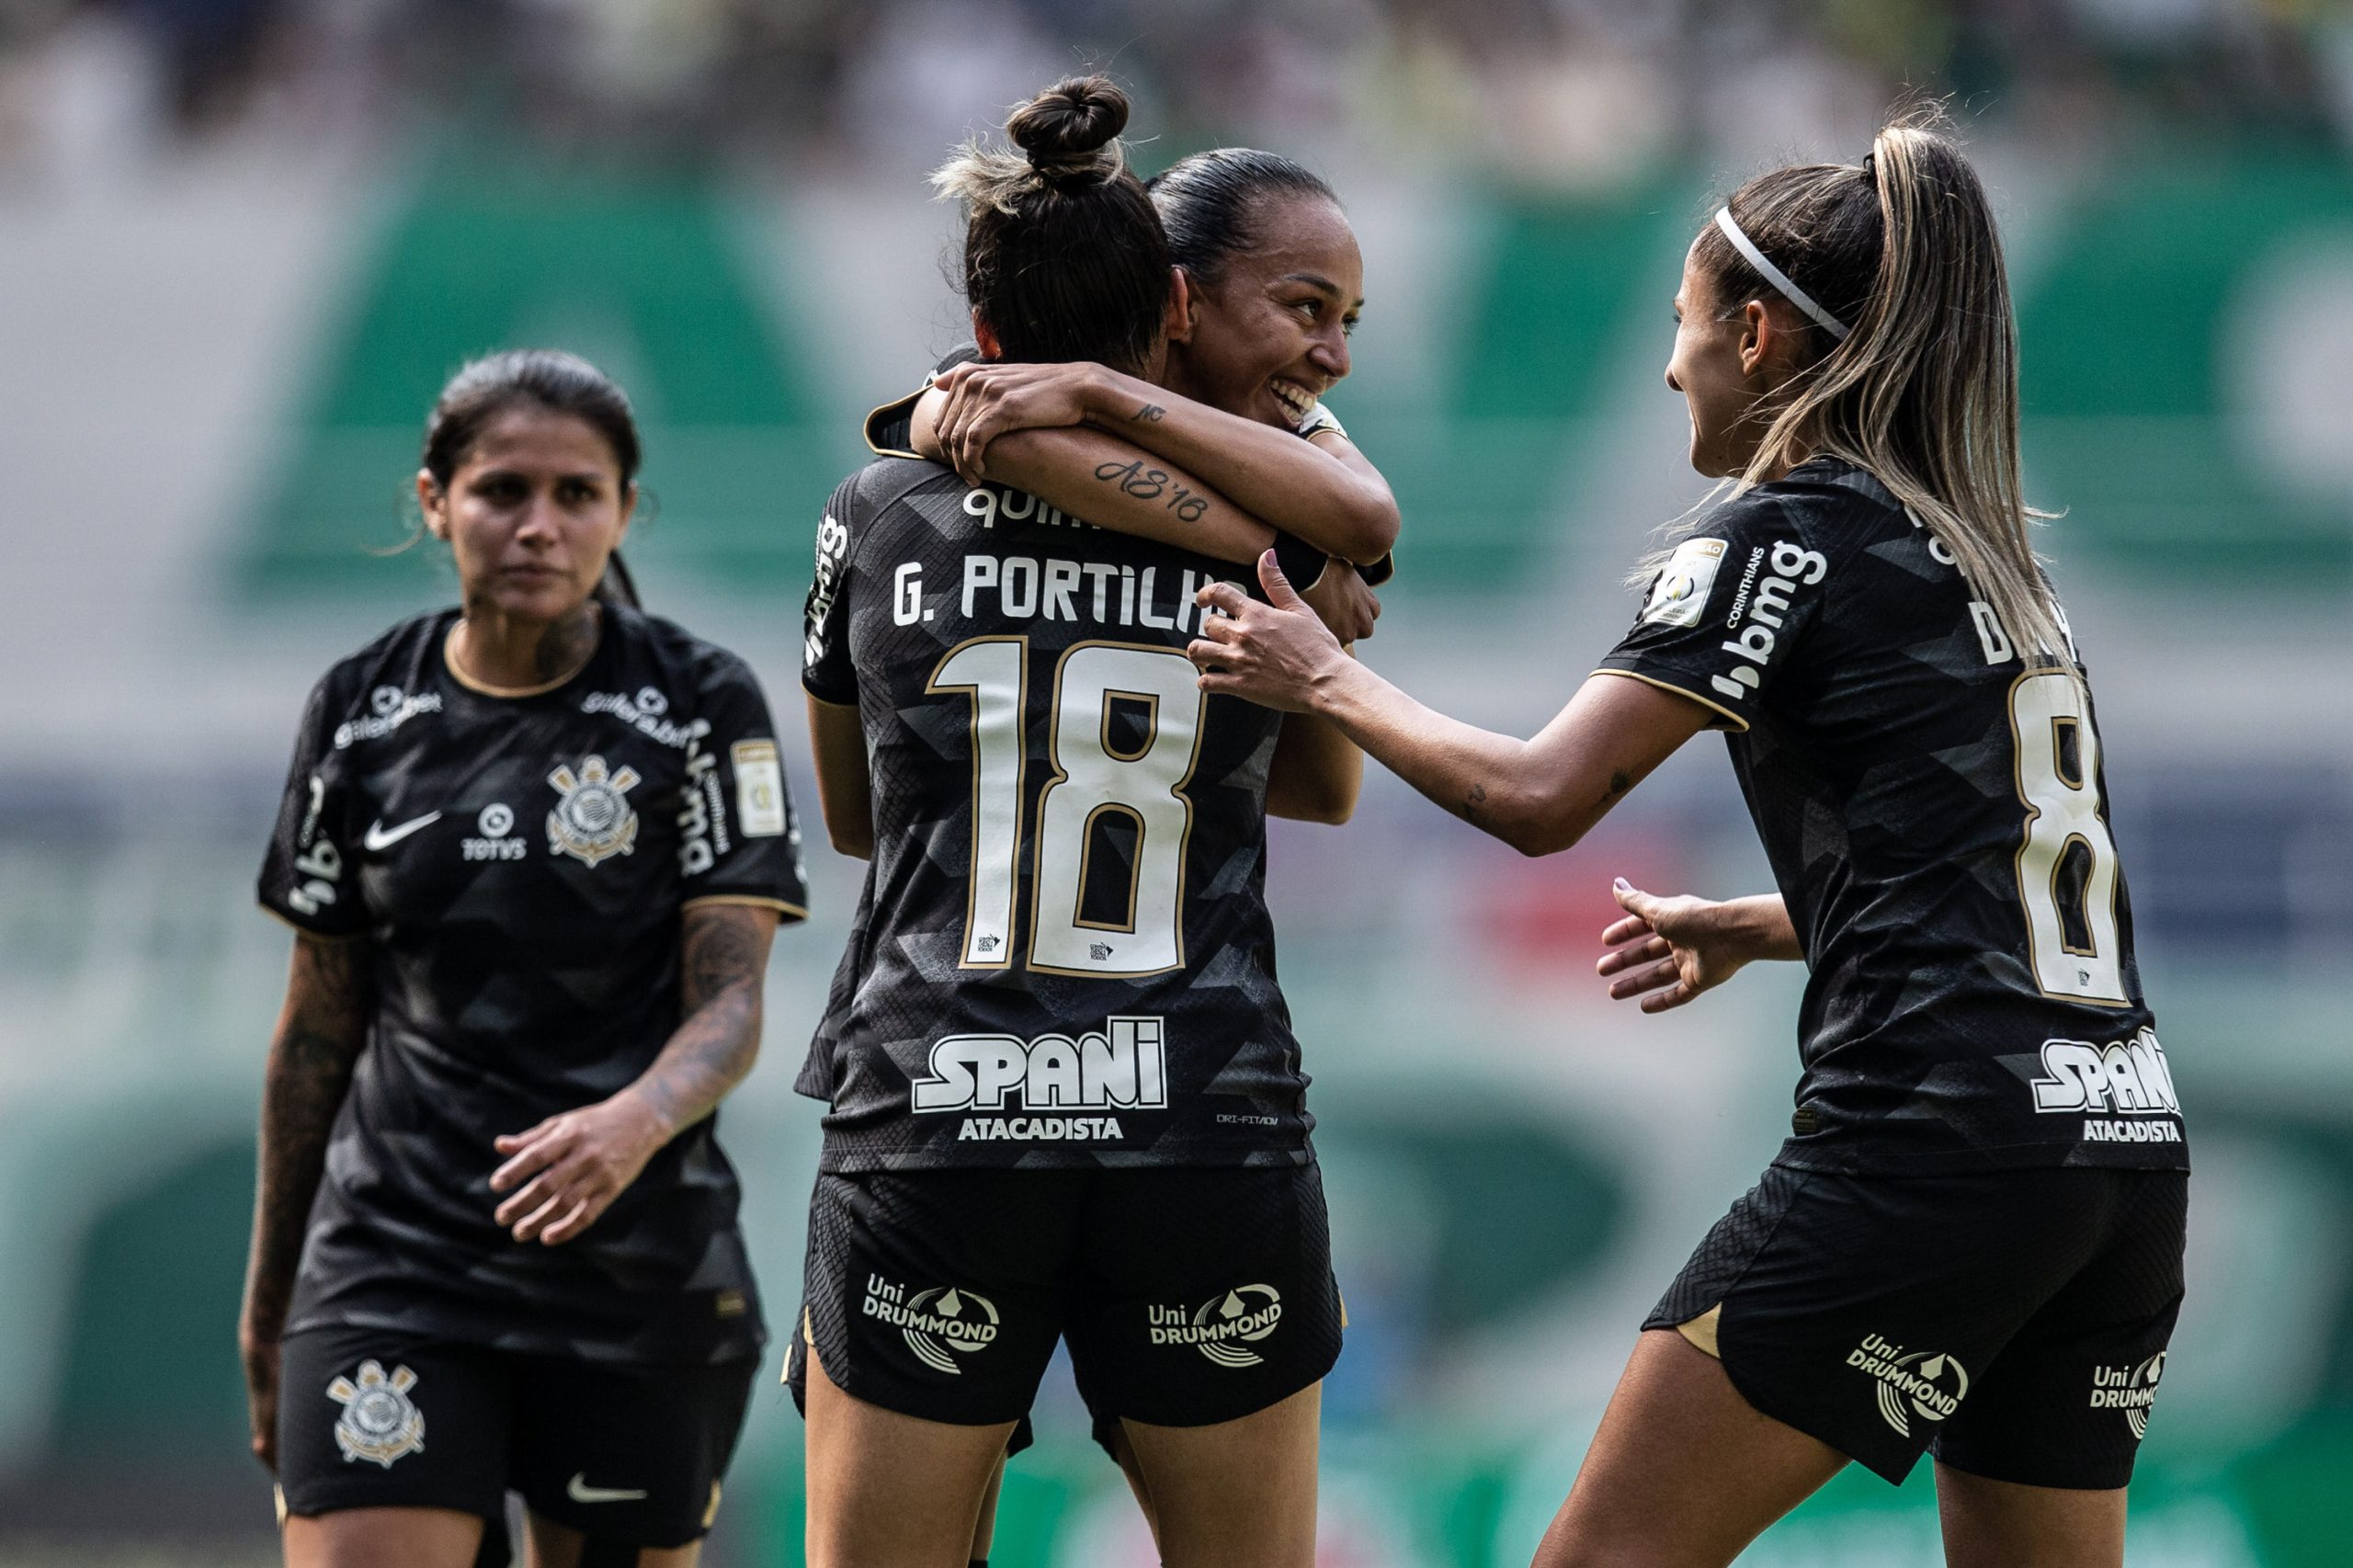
684, 661
862, 501
1825, 510
392, 670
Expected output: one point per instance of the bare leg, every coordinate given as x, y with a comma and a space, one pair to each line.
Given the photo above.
985, 1532
1238, 1494
383, 1538
1684, 1473
2001, 1524
1123, 1453
558, 1546
891, 1491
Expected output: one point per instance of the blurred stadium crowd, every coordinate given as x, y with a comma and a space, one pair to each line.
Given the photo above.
1550, 92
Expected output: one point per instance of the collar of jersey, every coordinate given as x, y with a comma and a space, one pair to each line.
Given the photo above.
511, 693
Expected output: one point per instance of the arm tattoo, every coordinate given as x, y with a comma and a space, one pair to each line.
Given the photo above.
310, 1060
1472, 802
1148, 414
567, 643
723, 955
1619, 783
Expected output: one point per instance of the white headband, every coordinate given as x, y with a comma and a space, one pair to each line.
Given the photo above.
1776, 277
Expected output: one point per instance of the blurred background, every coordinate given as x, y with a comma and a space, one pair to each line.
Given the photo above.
242, 242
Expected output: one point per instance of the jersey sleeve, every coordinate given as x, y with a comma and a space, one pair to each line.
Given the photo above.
1726, 614
1319, 419
306, 877
890, 429
739, 841
825, 671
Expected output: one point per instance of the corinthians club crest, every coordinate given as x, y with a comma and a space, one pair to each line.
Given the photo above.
591, 821
379, 1422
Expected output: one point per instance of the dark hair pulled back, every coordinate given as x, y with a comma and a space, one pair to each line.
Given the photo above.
548, 378
544, 377
1063, 256
1206, 202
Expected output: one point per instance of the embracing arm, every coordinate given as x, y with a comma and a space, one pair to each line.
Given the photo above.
565, 1172
1538, 795
321, 1029
845, 792
1329, 495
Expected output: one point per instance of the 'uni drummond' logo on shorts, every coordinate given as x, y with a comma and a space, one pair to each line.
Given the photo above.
939, 1323
1930, 1385
2132, 1390
1224, 1327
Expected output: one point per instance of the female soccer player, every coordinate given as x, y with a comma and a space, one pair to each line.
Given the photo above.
1270, 276
1067, 1100
534, 848
1971, 1243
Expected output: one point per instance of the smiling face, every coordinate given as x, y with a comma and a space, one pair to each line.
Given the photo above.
1270, 334
534, 510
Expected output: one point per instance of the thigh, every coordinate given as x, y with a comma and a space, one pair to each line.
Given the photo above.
1237, 1494
1684, 1473
560, 1546
888, 1489
939, 1294
1202, 1296
631, 1456
2067, 1402
2000, 1524
378, 1421
383, 1538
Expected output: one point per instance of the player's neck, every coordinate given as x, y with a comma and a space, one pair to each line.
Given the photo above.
503, 655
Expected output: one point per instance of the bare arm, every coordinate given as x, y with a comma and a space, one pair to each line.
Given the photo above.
321, 1029
1328, 496
1317, 772
1538, 795
565, 1172
845, 792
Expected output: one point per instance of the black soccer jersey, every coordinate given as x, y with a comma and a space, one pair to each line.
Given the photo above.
517, 865
1066, 958
1934, 816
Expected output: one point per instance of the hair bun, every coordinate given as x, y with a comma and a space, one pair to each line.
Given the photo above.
1064, 129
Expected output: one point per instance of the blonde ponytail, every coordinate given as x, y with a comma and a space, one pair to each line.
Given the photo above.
1922, 393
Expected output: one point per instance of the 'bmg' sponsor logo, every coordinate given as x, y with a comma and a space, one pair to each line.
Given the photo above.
1920, 1383
1125, 1068
1223, 1328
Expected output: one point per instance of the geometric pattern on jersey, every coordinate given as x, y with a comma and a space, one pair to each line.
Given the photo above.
1934, 816
517, 866
1065, 957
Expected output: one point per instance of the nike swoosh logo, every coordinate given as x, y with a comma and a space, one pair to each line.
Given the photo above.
379, 837
579, 1491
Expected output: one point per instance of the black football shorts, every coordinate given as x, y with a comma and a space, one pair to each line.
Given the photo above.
2013, 1323
1188, 1296
372, 1418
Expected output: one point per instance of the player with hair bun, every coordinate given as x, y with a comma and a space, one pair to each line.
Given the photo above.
534, 848
1066, 1102
1971, 1243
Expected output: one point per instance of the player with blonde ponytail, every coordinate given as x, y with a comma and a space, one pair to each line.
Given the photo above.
1970, 1244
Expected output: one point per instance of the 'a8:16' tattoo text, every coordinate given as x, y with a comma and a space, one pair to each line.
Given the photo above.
1154, 485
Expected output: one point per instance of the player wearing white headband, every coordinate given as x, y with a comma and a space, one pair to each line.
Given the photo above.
1971, 1243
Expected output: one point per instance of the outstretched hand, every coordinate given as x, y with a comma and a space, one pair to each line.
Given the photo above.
1276, 654
987, 400
567, 1170
1668, 950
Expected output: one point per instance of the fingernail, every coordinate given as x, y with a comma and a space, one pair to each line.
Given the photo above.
1621, 882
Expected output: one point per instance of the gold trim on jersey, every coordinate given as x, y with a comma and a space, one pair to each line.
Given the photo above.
1701, 1330
449, 663
1670, 686
748, 901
